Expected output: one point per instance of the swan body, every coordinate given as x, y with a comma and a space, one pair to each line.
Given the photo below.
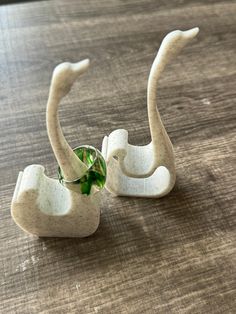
146, 171
41, 205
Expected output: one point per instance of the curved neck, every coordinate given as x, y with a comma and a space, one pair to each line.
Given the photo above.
170, 47
157, 129
72, 167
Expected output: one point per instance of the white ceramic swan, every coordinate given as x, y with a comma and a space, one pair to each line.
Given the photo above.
146, 171
41, 205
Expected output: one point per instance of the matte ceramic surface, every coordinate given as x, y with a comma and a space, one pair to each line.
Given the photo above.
146, 171
41, 205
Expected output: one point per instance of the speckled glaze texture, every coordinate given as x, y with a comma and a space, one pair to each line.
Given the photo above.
146, 171
41, 205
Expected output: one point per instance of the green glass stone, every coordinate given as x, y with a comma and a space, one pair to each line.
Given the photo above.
96, 173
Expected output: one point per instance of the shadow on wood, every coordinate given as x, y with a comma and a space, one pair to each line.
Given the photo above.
139, 235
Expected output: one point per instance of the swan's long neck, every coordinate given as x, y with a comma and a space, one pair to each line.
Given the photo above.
71, 166
169, 48
157, 129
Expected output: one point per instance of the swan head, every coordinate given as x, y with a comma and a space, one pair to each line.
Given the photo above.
64, 76
179, 38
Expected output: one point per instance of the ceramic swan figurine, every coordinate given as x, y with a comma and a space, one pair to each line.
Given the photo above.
146, 171
70, 208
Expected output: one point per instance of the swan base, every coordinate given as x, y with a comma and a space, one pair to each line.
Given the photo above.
43, 207
131, 170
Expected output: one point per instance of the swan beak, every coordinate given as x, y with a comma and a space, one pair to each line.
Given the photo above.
191, 33
81, 66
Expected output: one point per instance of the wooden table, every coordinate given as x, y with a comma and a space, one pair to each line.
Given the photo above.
171, 255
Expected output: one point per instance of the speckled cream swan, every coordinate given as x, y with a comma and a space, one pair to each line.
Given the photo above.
43, 206
146, 171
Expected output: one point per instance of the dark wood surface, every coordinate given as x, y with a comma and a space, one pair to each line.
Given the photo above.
171, 255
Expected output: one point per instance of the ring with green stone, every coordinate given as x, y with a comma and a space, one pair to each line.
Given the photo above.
95, 177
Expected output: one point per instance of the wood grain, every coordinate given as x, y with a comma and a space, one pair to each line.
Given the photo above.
172, 255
